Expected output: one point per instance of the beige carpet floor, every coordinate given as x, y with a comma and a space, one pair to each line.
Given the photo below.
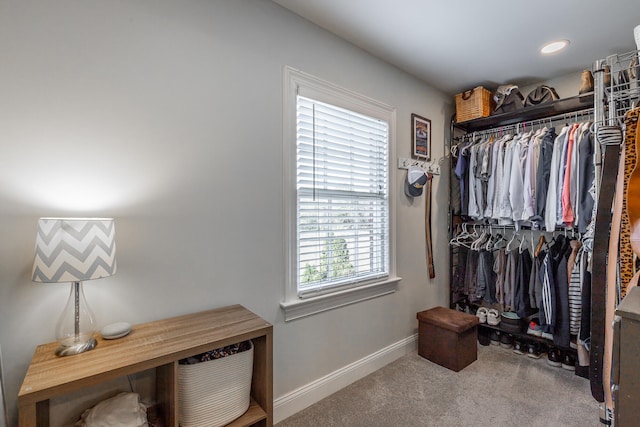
501, 388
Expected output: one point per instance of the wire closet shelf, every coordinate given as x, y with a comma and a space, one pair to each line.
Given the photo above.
619, 77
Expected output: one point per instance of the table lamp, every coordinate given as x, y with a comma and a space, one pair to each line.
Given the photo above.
73, 250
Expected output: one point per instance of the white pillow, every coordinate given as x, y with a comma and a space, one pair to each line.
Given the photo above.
123, 409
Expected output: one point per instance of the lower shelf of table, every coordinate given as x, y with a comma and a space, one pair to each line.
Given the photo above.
253, 415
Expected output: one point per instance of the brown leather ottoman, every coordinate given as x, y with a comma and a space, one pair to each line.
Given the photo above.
448, 337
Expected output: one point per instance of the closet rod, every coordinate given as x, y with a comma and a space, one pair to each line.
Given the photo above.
529, 123
522, 227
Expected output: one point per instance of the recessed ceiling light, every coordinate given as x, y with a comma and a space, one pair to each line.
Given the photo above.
554, 47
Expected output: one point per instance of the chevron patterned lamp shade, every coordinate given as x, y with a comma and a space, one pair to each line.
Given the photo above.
69, 249
74, 250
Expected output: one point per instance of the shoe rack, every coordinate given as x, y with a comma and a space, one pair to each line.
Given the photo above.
544, 343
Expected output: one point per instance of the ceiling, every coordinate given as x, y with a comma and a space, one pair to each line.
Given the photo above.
455, 45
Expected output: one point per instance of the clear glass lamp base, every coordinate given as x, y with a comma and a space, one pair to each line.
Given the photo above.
76, 326
75, 347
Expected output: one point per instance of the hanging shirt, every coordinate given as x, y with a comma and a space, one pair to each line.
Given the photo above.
474, 210
483, 164
543, 174
505, 204
510, 276
462, 171
531, 167
522, 304
574, 268
486, 277
567, 208
516, 181
548, 277
561, 172
535, 284
586, 180
491, 184
561, 336
458, 280
455, 184
499, 176
575, 171
554, 179
499, 268
471, 274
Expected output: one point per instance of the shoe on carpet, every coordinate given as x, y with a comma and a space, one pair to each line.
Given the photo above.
533, 350
534, 329
481, 314
494, 337
519, 347
493, 317
547, 335
554, 357
506, 341
568, 361
483, 336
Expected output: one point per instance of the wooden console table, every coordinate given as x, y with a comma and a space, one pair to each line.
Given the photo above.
160, 345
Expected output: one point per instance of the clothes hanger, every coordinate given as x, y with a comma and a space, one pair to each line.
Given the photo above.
462, 239
541, 243
513, 238
479, 241
521, 245
454, 150
474, 235
500, 239
489, 246
493, 242
455, 239
473, 244
531, 238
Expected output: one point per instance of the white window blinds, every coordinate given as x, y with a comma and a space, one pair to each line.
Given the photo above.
342, 197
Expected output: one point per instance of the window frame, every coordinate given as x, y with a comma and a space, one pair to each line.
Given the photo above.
297, 82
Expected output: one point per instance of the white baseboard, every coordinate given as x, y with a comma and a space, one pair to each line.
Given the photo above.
297, 400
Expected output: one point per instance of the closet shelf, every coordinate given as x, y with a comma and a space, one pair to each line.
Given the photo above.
554, 108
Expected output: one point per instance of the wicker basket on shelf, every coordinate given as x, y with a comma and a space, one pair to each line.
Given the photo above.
215, 392
473, 104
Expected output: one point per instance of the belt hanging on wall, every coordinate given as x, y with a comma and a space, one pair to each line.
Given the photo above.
427, 226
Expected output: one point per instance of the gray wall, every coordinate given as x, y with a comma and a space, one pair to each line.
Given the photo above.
167, 116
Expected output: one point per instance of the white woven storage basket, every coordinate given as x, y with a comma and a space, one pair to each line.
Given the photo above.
215, 392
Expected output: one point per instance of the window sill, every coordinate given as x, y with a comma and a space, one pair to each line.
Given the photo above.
299, 308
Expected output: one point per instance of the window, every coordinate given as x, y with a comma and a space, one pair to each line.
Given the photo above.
342, 197
338, 207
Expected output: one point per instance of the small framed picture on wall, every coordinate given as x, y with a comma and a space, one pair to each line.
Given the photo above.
421, 136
